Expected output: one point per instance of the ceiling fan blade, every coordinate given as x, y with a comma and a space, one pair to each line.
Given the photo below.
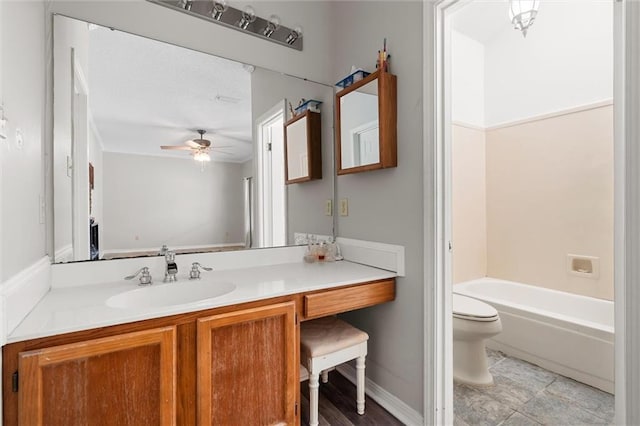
192, 144
173, 147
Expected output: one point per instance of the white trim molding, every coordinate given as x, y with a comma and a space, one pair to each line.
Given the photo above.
386, 400
627, 213
22, 292
378, 255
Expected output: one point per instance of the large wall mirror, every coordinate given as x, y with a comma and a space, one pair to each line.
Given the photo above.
159, 145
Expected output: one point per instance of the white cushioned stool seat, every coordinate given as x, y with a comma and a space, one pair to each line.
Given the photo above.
326, 343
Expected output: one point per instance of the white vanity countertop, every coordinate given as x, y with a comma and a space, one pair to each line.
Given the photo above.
65, 310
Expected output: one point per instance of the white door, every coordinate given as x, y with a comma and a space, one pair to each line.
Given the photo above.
272, 210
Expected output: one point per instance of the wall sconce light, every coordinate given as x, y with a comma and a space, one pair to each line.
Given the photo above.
272, 26
294, 35
219, 7
245, 20
248, 16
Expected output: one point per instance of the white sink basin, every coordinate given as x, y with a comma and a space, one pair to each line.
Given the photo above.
170, 294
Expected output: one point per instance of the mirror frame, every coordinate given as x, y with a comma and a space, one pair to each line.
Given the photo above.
313, 143
387, 122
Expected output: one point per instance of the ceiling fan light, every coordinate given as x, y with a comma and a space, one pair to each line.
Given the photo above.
201, 156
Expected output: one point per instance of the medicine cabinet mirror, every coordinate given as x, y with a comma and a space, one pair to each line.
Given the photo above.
302, 140
366, 124
118, 98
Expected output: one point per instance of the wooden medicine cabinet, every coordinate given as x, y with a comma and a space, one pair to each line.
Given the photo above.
302, 150
366, 121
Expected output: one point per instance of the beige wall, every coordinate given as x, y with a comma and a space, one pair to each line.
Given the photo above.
549, 193
469, 203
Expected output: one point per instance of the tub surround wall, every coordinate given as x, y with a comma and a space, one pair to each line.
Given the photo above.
469, 203
549, 194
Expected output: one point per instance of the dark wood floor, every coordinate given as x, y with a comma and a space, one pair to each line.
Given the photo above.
337, 405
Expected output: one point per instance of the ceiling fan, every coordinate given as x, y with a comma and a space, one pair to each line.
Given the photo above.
199, 147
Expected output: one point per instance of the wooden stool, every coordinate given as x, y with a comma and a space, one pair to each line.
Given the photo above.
326, 343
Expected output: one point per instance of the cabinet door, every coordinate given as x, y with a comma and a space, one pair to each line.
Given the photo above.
127, 379
247, 367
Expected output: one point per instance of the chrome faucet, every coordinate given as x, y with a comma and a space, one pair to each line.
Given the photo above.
172, 267
145, 277
194, 274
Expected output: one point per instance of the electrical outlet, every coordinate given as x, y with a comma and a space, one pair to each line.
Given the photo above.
344, 207
328, 208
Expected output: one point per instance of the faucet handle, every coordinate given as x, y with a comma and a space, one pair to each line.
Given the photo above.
145, 278
194, 274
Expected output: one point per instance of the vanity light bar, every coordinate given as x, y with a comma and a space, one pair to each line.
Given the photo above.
267, 29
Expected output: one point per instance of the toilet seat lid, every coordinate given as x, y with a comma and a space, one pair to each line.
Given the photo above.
465, 307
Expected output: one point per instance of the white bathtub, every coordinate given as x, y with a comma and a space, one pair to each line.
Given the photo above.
569, 334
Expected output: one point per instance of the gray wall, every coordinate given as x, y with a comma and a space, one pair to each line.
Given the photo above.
305, 201
151, 200
386, 205
23, 61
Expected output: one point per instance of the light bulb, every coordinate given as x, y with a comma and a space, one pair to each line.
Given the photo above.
185, 4
219, 7
272, 25
295, 34
248, 16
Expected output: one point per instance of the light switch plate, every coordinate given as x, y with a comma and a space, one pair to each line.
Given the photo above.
328, 208
344, 207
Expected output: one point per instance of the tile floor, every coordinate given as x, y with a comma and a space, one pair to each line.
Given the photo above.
527, 395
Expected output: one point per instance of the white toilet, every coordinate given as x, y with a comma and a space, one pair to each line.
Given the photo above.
473, 322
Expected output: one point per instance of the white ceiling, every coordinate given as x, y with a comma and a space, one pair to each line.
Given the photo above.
482, 20
144, 93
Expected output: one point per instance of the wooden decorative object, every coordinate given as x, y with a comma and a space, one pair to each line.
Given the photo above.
302, 148
387, 122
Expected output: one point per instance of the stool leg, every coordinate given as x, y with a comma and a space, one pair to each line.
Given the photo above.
360, 384
325, 376
313, 399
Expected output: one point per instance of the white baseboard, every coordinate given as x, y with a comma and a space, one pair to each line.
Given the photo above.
379, 255
22, 292
389, 402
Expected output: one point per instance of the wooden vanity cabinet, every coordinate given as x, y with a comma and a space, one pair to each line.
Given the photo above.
127, 379
247, 367
230, 365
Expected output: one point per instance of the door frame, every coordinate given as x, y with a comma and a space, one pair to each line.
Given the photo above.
438, 362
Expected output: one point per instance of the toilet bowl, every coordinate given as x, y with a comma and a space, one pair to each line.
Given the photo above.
473, 322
